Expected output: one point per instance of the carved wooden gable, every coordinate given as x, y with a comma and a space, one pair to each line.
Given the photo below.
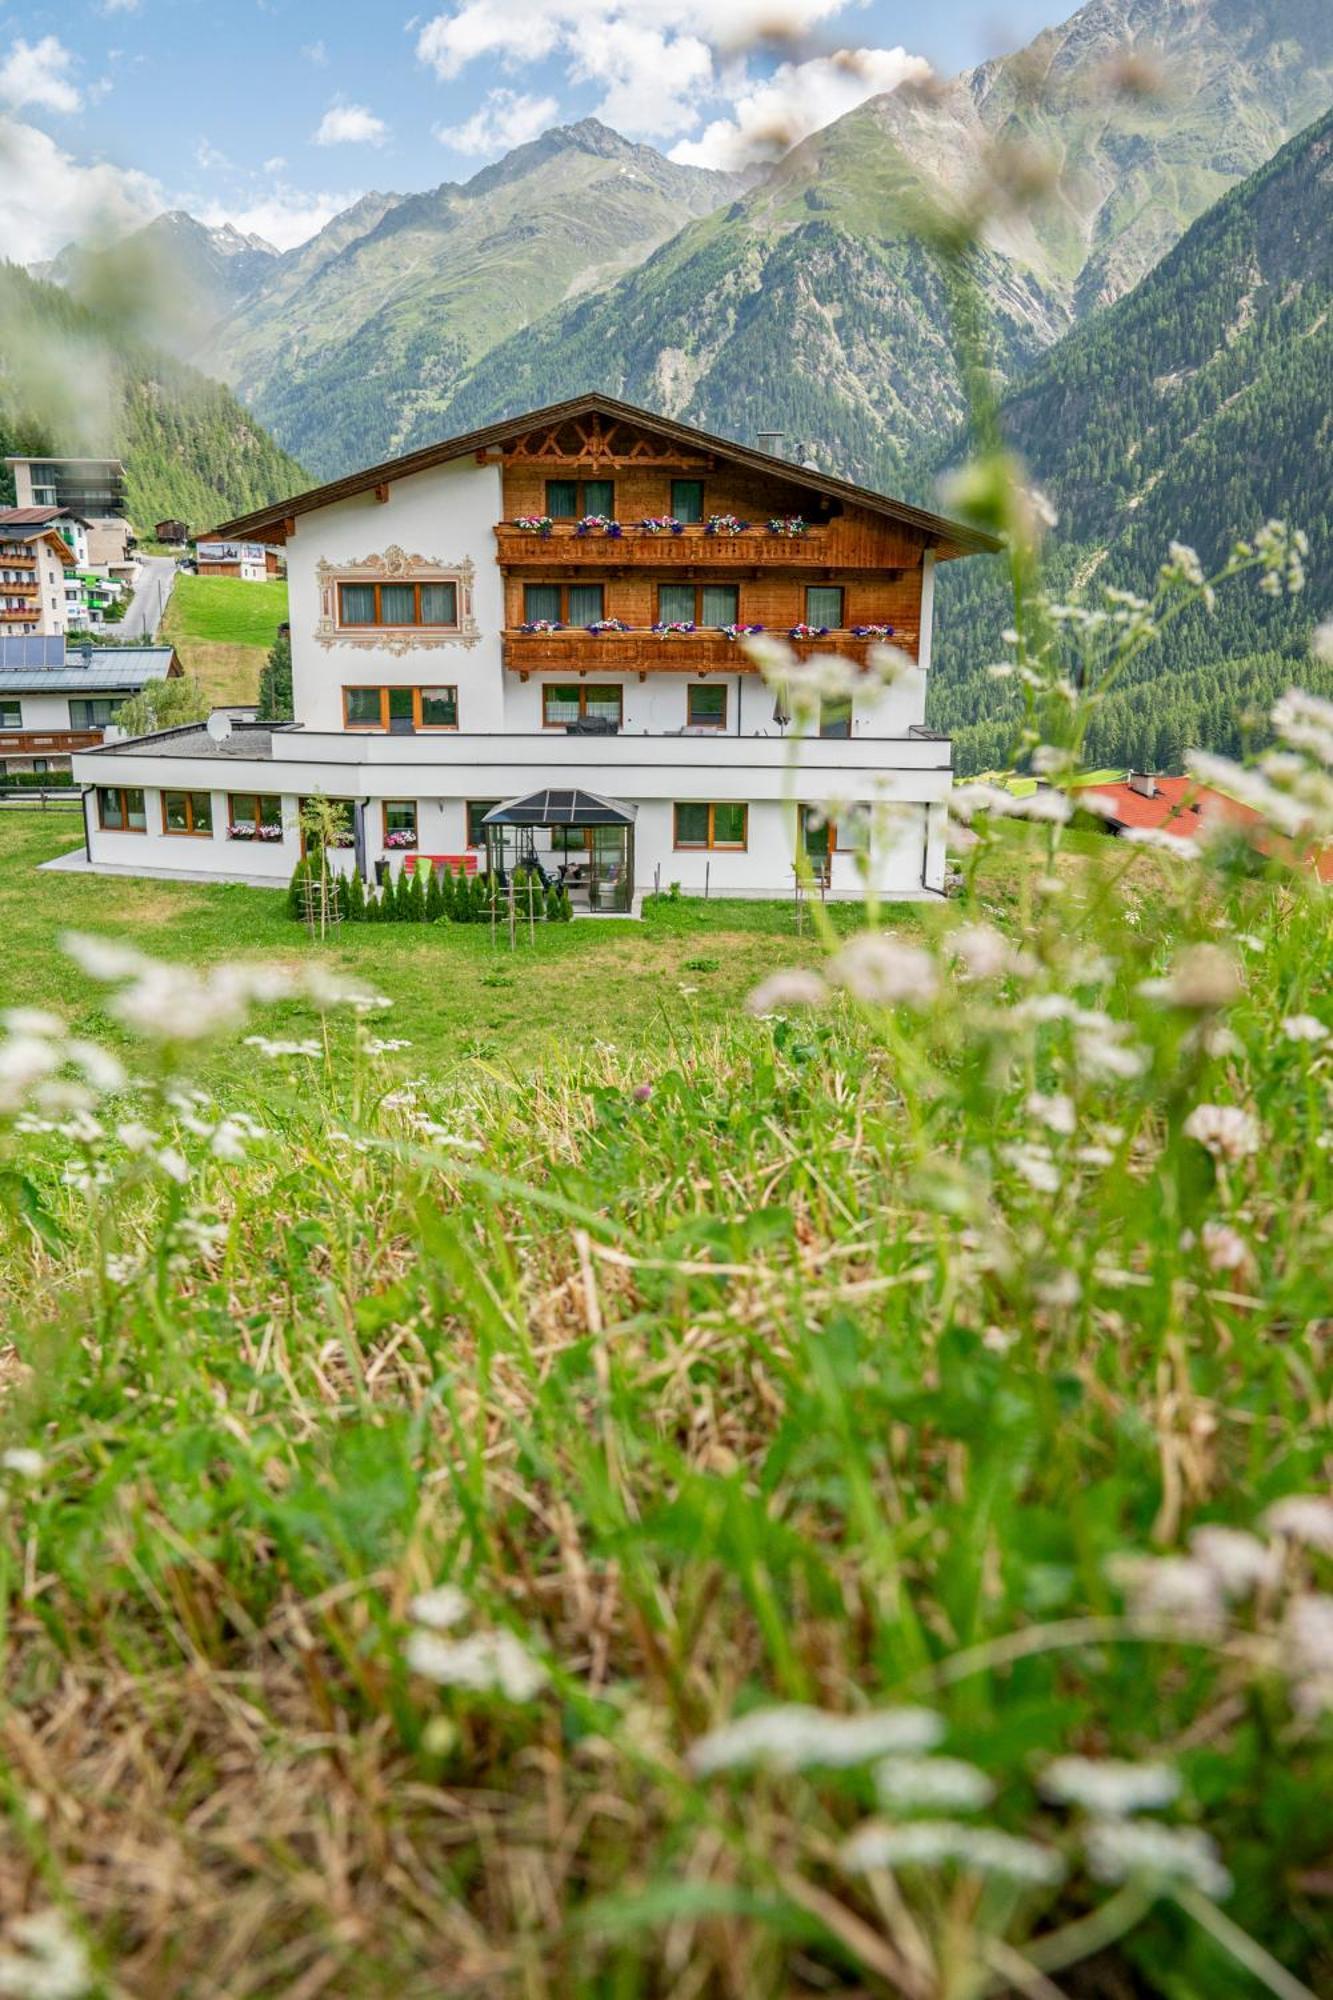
599, 442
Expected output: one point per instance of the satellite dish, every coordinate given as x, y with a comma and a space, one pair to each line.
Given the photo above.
218, 726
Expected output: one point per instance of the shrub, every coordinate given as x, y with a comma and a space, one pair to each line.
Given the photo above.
434, 909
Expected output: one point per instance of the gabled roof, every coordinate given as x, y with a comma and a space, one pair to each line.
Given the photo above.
37, 517
561, 809
268, 523
18, 532
80, 669
1178, 806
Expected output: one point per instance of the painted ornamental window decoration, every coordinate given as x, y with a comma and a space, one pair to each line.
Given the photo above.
396, 603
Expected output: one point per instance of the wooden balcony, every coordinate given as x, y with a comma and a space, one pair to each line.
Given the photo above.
41, 742
643, 653
840, 545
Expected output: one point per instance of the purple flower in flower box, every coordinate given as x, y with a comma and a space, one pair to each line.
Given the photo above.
725, 524
872, 631
541, 625
808, 632
607, 625
674, 627
739, 631
400, 840
599, 524
662, 524
792, 526
535, 524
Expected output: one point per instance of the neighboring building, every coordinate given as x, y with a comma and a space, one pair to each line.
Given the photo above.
57, 697
91, 488
1185, 809
443, 668
35, 559
172, 531
248, 560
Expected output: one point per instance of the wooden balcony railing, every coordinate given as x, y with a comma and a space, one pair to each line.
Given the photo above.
836, 545
36, 742
644, 653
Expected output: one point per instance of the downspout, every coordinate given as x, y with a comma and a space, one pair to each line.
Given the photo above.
84, 796
740, 683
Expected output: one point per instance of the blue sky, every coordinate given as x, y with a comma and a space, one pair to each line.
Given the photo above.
274, 114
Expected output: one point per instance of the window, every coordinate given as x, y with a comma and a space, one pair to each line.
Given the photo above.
255, 815
397, 604
345, 809
400, 822
570, 701
712, 825
564, 603
94, 714
706, 705
476, 812
571, 499
121, 811
822, 836
823, 605
687, 499
705, 604
11, 715
404, 708
187, 812
40, 766
835, 716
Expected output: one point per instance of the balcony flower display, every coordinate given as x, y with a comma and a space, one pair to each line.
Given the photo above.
535, 524
599, 524
739, 631
725, 524
872, 631
541, 625
675, 628
661, 524
803, 631
400, 839
246, 829
607, 625
792, 526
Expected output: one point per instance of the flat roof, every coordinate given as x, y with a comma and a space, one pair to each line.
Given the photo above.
191, 739
269, 523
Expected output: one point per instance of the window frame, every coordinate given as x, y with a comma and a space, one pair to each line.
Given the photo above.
584, 689
563, 589
842, 605
695, 520
712, 845
711, 583
837, 735
378, 624
17, 723
837, 845
190, 831
581, 508
123, 793
706, 687
381, 728
112, 702
481, 807
386, 829
255, 797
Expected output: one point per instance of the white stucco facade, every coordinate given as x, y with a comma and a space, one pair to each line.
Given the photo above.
439, 523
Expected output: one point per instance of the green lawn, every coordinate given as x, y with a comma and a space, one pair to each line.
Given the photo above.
457, 992
222, 629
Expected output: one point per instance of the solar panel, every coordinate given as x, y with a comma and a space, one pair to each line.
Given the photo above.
37, 649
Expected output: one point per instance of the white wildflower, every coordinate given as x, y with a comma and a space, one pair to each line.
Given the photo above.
441, 1608
1178, 845
49, 1963
1249, 788
1240, 1561
230, 1138
1104, 1051
1306, 723
986, 953
375, 1045
945, 1783
135, 1136
884, 972
1123, 1849
794, 987
274, 1050
24, 1061
1321, 642
103, 1070
1307, 1651
23, 1462
1055, 1112
1176, 1591
485, 1663
1226, 1131
1034, 1164
790, 1737
1204, 977
1184, 564
1109, 1786
32, 1021
1224, 1248
1304, 1028
120, 1270
173, 1164
1302, 1517
933, 1843
1060, 1291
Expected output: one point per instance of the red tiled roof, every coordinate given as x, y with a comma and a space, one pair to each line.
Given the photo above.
1178, 806
30, 517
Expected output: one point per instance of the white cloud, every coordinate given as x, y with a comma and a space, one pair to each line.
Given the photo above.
350, 125
51, 199
504, 121
799, 98
283, 216
209, 157
316, 53
37, 73
118, 6
652, 74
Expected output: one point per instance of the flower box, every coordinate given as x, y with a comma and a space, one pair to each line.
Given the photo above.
599, 524
535, 524
542, 625
247, 831
725, 524
809, 632
792, 526
398, 841
675, 628
739, 631
607, 625
662, 524
872, 631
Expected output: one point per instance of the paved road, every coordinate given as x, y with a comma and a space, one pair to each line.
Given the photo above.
157, 574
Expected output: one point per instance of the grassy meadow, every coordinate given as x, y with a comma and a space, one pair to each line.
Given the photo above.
562, 1486
223, 629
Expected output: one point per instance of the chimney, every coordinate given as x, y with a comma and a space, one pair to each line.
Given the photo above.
1143, 783
769, 441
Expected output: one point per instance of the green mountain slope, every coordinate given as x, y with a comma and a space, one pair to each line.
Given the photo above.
74, 381
363, 355
1196, 409
808, 305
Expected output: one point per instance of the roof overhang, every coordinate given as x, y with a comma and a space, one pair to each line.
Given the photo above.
561, 808
274, 524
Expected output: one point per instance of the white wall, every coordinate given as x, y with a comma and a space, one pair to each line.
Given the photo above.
445, 515
196, 854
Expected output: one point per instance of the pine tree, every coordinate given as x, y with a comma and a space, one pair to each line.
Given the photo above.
416, 895
354, 906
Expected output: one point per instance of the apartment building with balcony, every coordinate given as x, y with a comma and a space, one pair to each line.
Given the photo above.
528, 642
58, 696
35, 561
